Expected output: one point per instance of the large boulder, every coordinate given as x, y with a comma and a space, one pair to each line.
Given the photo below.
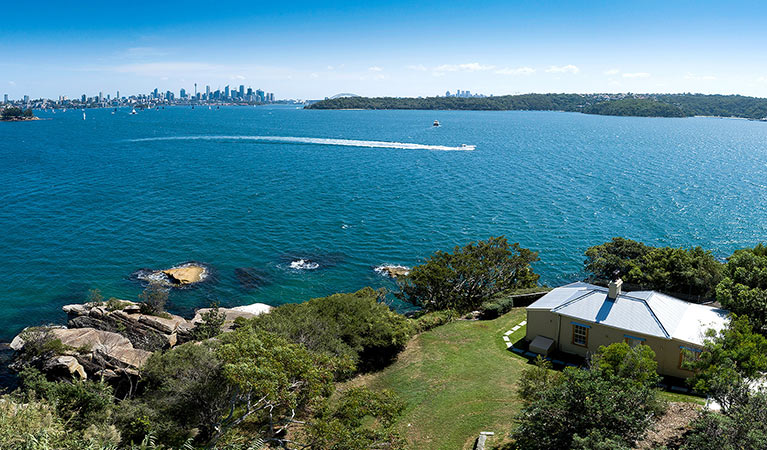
68, 365
185, 274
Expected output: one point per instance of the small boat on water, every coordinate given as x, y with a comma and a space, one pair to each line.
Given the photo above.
436, 123
133, 111
83, 116
468, 147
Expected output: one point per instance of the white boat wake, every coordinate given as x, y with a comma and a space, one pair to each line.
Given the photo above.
316, 141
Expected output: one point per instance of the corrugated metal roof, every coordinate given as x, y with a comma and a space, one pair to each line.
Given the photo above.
644, 312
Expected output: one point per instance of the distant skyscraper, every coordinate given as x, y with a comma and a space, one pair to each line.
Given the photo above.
118, 95
182, 93
5, 98
83, 98
26, 99
226, 91
195, 89
155, 94
242, 91
101, 97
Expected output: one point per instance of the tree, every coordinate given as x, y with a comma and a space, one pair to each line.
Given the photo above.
743, 426
153, 299
608, 406
464, 279
731, 361
744, 287
211, 324
671, 270
354, 326
11, 113
360, 419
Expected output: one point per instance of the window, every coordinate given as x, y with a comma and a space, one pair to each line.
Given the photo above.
688, 355
633, 341
580, 335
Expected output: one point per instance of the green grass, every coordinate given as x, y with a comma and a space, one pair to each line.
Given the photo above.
679, 397
457, 379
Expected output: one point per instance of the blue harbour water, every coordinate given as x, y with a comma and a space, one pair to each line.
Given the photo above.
85, 203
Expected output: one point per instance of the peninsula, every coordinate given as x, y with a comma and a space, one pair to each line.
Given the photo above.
638, 105
13, 114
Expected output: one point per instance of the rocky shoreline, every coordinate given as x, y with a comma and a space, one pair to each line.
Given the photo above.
110, 340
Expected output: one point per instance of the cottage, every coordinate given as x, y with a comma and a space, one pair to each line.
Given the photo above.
579, 318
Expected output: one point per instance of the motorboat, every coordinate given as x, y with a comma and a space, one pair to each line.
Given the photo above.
436, 123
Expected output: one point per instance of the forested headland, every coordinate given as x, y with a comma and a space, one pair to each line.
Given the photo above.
641, 105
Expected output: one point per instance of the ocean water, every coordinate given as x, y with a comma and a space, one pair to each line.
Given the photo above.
86, 203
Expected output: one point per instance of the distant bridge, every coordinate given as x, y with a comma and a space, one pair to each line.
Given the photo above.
343, 95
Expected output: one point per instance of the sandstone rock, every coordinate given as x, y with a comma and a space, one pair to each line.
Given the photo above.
67, 364
164, 325
76, 310
17, 343
393, 271
232, 313
185, 274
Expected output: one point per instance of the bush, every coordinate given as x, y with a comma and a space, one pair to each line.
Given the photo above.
80, 404
469, 276
22, 422
211, 324
496, 308
153, 300
433, 319
355, 326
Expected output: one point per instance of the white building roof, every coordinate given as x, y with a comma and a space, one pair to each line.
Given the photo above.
647, 313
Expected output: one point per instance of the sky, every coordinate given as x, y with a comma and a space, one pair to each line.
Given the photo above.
311, 50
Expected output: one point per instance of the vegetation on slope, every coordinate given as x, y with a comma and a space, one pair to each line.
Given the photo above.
647, 105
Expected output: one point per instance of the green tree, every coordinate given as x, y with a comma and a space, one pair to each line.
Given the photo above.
608, 406
671, 270
743, 426
470, 275
744, 287
11, 113
730, 362
211, 324
153, 299
354, 326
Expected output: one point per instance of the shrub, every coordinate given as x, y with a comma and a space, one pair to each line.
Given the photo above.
496, 308
22, 422
211, 324
433, 319
354, 325
153, 299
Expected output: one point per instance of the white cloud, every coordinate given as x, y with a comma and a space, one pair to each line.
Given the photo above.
470, 67
691, 76
636, 75
760, 79
12, 83
313, 75
418, 68
612, 72
375, 69
330, 67
238, 77
563, 69
516, 71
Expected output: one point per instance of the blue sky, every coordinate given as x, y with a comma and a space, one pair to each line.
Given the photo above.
315, 49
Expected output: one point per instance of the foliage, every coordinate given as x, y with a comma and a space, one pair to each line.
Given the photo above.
427, 321
744, 288
14, 113
270, 377
496, 307
185, 389
743, 426
362, 419
464, 279
211, 324
640, 107
353, 326
731, 360
22, 422
536, 379
153, 299
79, 403
94, 296
666, 105
633, 363
667, 269
593, 409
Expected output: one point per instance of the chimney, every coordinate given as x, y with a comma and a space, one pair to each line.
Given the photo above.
614, 288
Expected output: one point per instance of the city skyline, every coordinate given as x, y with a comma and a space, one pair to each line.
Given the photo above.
310, 50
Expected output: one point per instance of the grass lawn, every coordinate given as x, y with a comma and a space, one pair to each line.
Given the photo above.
457, 379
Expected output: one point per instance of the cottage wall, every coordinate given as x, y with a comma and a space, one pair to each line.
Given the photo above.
667, 351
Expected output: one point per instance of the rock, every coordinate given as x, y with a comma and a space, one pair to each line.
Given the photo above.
17, 343
185, 274
393, 271
76, 310
255, 308
67, 364
161, 324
